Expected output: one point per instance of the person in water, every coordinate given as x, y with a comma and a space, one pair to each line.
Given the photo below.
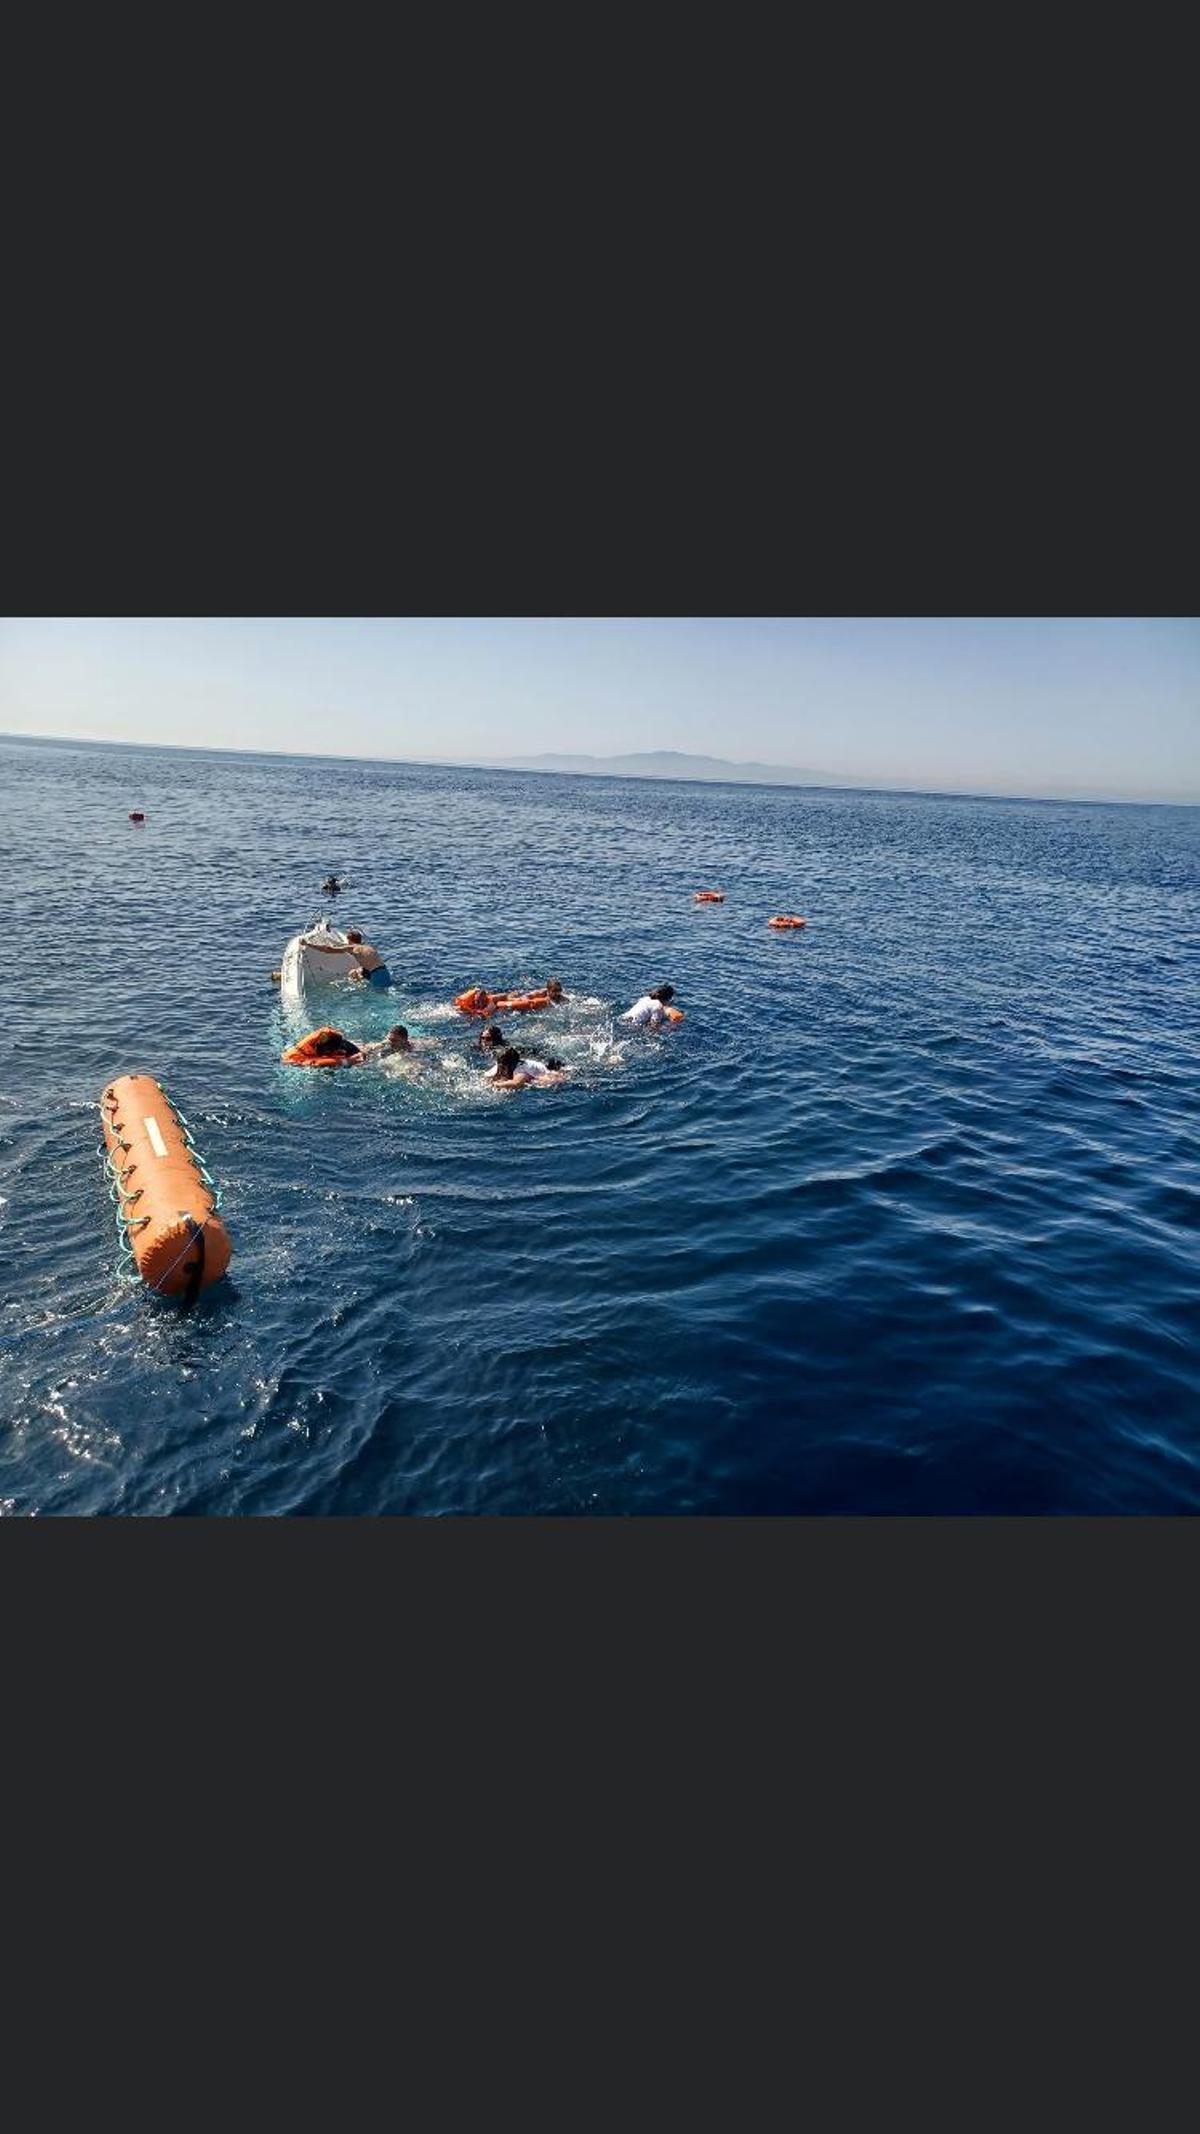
324, 1048
331, 887
397, 1040
372, 970
491, 1039
478, 1000
650, 1012
330, 1048
513, 1072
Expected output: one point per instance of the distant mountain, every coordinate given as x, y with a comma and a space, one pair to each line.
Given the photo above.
673, 763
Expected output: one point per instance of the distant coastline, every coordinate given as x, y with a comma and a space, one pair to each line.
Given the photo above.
669, 766
678, 764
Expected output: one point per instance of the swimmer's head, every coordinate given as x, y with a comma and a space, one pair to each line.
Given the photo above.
492, 1037
554, 989
507, 1063
352, 934
397, 1039
662, 992
330, 1044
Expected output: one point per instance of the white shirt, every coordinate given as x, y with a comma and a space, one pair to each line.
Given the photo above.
533, 1070
645, 1011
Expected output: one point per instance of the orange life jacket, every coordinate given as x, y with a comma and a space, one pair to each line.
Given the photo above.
477, 1001
520, 1003
310, 1051
781, 925
709, 896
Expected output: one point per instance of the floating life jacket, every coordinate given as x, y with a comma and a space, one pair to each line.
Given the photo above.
785, 924
709, 896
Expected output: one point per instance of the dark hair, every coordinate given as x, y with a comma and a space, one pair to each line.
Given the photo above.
332, 1041
492, 1035
397, 1030
663, 993
352, 934
556, 1066
554, 988
508, 1061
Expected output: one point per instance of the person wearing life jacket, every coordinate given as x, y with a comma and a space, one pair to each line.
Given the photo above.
475, 1001
653, 1009
372, 970
325, 1047
478, 1001
513, 1072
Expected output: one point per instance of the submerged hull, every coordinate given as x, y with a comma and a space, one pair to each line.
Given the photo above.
317, 957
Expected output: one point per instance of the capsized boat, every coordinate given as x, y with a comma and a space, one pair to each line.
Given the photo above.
318, 956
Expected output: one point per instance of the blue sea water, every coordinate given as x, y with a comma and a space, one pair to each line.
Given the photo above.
904, 1217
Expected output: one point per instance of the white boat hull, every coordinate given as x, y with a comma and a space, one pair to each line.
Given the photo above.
319, 956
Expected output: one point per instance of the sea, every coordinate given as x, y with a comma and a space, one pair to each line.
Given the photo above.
904, 1217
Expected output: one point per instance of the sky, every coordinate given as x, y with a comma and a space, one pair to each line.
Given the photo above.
1073, 708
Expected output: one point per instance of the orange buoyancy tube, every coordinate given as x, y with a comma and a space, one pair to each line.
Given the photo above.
310, 1051
478, 1001
786, 923
709, 896
166, 1202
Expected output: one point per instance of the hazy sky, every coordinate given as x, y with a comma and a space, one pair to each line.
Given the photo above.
1108, 708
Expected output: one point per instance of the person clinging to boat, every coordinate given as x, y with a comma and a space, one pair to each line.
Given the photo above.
653, 1009
372, 970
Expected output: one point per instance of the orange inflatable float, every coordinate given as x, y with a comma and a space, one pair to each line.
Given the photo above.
785, 924
165, 1199
709, 896
478, 1001
325, 1047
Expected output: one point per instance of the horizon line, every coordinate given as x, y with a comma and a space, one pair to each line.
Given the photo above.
501, 764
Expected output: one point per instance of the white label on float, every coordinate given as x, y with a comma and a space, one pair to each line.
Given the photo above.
156, 1140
